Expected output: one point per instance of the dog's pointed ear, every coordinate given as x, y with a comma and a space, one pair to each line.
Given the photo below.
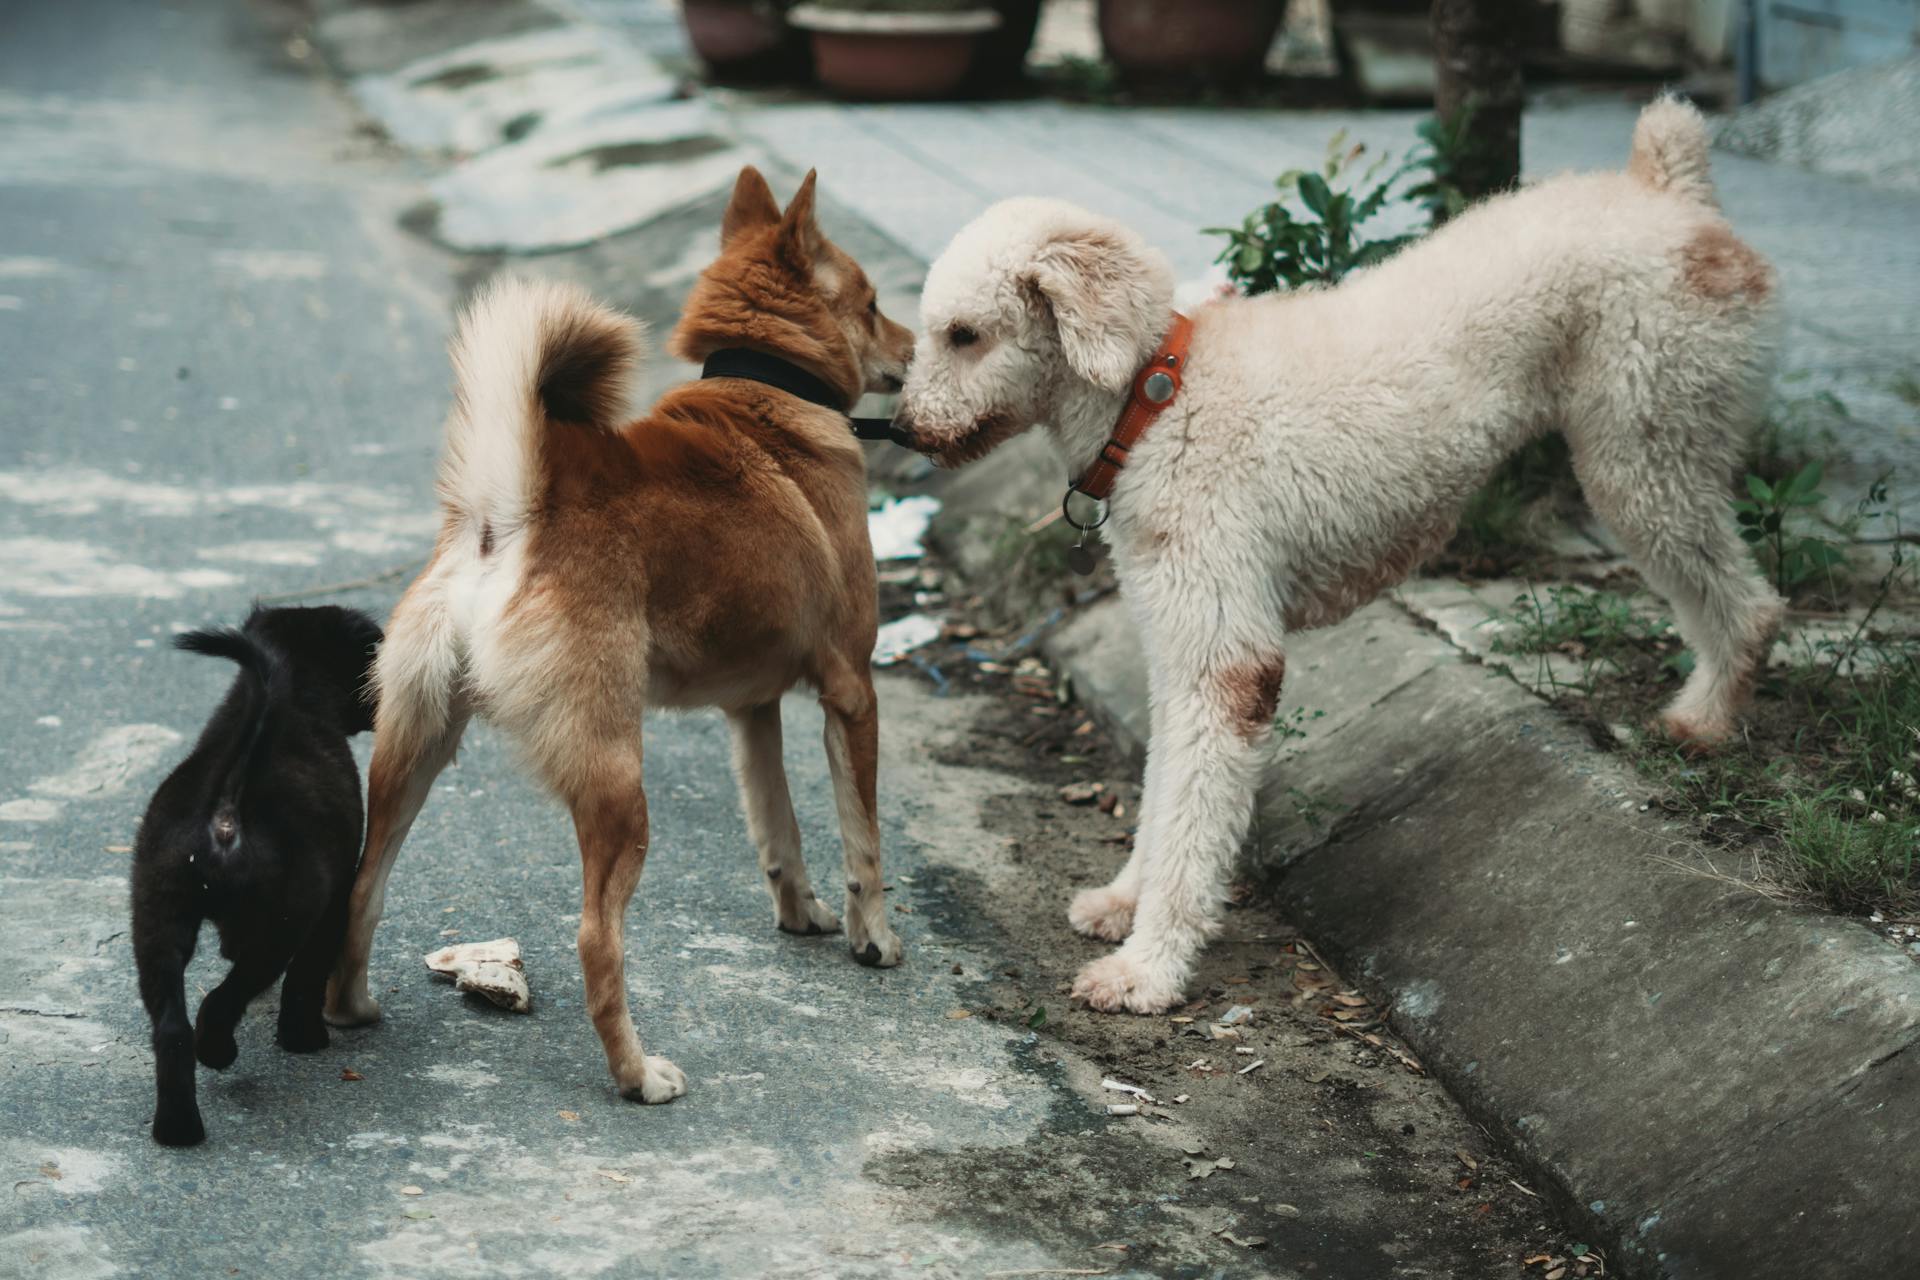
751, 207
1109, 298
799, 236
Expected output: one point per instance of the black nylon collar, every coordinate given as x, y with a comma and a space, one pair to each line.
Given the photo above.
784, 375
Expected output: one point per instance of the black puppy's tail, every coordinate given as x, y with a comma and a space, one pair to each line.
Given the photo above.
264, 684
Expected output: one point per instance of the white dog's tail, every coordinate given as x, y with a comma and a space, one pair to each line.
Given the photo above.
1670, 150
528, 354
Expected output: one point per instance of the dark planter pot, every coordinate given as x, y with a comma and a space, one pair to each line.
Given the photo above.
893, 56
1001, 59
1190, 39
745, 39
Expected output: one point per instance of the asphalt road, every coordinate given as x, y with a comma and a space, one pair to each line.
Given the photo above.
222, 377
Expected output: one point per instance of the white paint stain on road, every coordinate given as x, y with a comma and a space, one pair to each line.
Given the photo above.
267, 552
51, 568
108, 763
271, 264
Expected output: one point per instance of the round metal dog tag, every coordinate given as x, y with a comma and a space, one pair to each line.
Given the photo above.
1080, 559
1158, 388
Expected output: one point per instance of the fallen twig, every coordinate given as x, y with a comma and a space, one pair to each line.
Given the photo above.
352, 584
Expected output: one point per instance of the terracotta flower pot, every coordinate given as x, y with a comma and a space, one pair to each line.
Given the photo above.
744, 39
860, 54
1214, 39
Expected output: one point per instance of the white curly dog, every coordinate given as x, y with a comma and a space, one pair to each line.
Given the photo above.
1321, 444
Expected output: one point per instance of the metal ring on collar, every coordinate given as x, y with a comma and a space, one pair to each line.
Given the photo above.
1066, 510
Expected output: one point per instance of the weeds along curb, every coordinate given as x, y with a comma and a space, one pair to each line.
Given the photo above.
1720, 1085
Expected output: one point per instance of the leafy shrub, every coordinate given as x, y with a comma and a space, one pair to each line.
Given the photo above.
1274, 249
1793, 558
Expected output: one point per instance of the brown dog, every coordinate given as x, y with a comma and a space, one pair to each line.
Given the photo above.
713, 553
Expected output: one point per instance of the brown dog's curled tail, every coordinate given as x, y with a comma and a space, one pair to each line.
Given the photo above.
529, 354
1670, 150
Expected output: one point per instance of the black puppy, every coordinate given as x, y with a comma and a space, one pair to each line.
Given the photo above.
259, 831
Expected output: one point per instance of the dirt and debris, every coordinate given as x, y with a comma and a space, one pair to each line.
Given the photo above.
1324, 1111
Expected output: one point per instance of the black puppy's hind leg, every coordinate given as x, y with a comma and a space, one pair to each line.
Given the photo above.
160, 955
255, 966
302, 1029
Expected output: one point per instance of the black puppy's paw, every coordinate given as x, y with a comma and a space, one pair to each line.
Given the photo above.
179, 1128
215, 1049
306, 1038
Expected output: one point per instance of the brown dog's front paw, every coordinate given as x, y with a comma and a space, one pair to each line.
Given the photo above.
882, 951
812, 920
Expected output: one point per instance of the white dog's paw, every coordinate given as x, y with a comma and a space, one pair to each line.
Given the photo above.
350, 1006
1105, 913
882, 949
1121, 983
812, 919
660, 1081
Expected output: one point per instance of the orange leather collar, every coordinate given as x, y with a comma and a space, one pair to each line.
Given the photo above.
1154, 388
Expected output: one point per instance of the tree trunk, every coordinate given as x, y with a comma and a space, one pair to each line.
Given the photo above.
1476, 50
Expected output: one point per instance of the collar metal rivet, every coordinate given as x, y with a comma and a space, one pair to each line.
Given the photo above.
1158, 388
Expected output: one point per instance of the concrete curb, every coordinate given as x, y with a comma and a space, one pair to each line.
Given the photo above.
1719, 1084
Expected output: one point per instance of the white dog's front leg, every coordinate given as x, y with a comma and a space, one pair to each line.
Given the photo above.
1206, 754
1107, 912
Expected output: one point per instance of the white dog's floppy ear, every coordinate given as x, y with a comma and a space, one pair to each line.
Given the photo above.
1109, 299
751, 207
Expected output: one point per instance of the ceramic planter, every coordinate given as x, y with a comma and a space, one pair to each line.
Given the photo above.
1212, 39
745, 39
863, 54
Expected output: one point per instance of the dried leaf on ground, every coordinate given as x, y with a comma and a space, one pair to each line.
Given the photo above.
348, 1073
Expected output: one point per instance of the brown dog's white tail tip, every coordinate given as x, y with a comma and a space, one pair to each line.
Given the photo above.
528, 354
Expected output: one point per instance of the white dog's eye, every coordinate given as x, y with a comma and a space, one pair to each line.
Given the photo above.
961, 336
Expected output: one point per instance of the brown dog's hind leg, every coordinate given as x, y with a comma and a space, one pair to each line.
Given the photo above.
770, 821
398, 782
610, 819
853, 754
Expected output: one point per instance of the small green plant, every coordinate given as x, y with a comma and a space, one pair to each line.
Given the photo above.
1275, 248
1792, 557
1293, 724
1897, 578
1579, 621
1450, 151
